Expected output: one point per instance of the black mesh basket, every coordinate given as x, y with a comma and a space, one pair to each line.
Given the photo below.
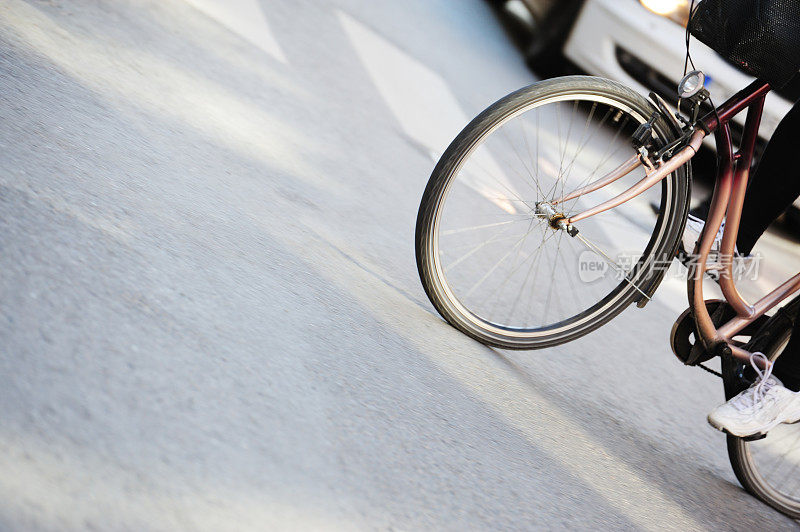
762, 37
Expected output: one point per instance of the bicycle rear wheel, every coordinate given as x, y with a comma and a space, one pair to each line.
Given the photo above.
768, 469
492, 266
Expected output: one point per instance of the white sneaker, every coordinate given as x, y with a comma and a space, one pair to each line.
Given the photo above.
759, 408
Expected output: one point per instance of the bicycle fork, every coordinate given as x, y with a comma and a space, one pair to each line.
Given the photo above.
654, 173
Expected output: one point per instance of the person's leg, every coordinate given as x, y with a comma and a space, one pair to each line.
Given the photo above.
787, 367
774, 188
775, 184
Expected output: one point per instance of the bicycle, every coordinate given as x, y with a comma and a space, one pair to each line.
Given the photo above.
500, 248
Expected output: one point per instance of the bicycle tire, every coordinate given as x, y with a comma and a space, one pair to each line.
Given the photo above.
662, 245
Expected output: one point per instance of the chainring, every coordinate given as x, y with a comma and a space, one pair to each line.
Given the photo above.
685, 341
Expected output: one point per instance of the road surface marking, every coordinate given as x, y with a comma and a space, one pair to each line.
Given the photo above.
171, 90
423, 104
246, 18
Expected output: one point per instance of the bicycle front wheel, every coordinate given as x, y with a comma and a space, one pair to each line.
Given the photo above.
494, 267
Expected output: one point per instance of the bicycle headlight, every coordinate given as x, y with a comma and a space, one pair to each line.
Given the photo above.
691, 84
675, 10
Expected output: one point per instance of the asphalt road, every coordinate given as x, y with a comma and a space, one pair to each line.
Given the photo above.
210, 316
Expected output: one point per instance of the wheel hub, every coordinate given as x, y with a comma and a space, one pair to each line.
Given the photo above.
555, 219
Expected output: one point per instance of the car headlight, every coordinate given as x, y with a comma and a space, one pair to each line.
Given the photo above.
675, 10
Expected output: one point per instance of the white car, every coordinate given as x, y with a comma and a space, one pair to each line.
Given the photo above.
640, 43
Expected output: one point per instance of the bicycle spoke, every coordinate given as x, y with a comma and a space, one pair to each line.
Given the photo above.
619, 269
475, 250
484, 226
499, 182
571, 285
500, 261
604, 159
545, 238
561, 176
521, 160
552, 275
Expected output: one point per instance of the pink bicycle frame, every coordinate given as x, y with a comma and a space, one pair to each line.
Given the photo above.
733, 173
729, 190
